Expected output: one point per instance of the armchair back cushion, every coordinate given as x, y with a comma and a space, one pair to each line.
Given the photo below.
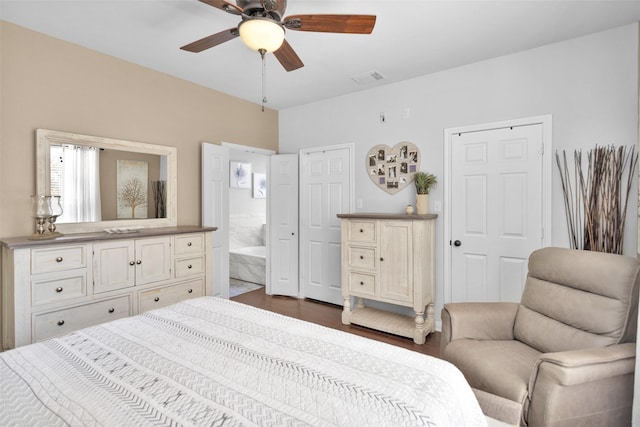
569, 304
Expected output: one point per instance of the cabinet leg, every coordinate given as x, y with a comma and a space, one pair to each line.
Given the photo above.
420, 333
346, 311
430, 323
359, 303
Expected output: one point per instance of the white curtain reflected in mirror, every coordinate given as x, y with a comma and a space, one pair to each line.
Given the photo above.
75, 176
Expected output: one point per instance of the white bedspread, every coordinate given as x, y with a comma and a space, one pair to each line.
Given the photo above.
214, 362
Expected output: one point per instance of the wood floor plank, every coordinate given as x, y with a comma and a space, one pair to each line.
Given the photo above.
330, 315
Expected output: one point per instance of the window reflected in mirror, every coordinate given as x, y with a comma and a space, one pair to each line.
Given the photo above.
93, 188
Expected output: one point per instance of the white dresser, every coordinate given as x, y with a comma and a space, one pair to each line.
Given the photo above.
52, 287
389, 258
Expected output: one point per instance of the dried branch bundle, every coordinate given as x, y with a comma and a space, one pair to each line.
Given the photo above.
160, 198
596, 203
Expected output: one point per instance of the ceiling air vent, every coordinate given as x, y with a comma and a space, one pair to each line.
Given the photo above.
367, 78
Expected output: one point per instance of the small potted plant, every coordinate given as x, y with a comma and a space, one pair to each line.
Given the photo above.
424, 183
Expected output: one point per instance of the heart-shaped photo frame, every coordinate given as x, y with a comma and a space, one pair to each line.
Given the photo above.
392, 168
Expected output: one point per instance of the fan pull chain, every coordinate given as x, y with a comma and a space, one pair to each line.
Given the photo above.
264, 73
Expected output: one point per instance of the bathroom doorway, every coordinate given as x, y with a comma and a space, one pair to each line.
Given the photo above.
247, 218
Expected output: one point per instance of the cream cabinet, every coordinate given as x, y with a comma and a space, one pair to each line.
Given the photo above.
389, 258
56, 286
124, 263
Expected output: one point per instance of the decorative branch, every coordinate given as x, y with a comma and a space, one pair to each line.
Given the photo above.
596, 213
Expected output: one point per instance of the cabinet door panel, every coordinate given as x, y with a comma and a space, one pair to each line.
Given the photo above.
114, 265
153, 260
396, 261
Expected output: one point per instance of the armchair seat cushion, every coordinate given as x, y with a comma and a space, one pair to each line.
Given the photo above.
508, 373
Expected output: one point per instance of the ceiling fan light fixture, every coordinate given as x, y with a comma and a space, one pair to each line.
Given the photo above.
261, 34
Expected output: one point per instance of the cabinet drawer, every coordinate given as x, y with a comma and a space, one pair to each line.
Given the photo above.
160, 297
362, 284
61, 288
46, 260
189, 266
60, 322
362, 231
189, 243
362, 257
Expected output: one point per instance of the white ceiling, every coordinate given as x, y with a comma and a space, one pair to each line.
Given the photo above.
410, 39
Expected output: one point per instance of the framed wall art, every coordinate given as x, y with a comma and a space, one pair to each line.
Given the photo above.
132, 182
259, 185
392, 168
239, 175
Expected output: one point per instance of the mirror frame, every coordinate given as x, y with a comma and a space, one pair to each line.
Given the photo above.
45, 138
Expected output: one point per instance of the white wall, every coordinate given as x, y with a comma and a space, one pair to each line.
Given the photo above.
589, 85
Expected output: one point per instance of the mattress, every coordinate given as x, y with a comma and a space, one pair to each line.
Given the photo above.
210, 361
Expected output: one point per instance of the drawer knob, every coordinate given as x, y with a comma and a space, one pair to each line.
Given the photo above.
361, 230
59, 289
189, 266
59, 259
111, 310
139, 262
190, 291
361, 283
132, 263
189, 244
156, 299
381, 259
361, 257
60, 322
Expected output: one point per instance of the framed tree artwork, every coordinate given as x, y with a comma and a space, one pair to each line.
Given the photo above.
132, 183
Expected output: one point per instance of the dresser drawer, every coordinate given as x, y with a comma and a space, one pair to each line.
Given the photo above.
58, 288
362, 284
189, 266
360, 257
166, 295
60, 322
46, 260
362, 231
189, 243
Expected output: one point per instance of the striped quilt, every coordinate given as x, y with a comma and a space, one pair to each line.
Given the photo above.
214, 362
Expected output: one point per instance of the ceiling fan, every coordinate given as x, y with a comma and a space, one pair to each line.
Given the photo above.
262, 28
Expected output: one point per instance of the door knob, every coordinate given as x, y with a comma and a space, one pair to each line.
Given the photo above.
457, 243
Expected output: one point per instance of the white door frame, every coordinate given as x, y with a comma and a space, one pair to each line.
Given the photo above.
546, 122
351, 186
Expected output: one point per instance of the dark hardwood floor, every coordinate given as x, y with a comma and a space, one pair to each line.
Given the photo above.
329, 315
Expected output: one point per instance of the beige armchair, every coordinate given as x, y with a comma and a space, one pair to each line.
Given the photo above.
563, 356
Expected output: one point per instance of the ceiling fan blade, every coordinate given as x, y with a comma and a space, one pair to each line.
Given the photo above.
212, 40
224, 5
288, 57
351, 24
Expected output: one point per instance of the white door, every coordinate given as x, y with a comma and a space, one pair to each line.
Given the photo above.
215, 211
496, 210
282, 241
326, 188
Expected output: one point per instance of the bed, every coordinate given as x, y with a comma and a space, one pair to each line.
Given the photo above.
210, 361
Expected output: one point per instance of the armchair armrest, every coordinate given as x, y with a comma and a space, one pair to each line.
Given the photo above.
580, 385
580, 366
477, 320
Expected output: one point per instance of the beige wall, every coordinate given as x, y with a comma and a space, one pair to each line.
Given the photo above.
48, 83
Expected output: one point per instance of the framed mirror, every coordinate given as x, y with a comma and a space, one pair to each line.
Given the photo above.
107, 183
